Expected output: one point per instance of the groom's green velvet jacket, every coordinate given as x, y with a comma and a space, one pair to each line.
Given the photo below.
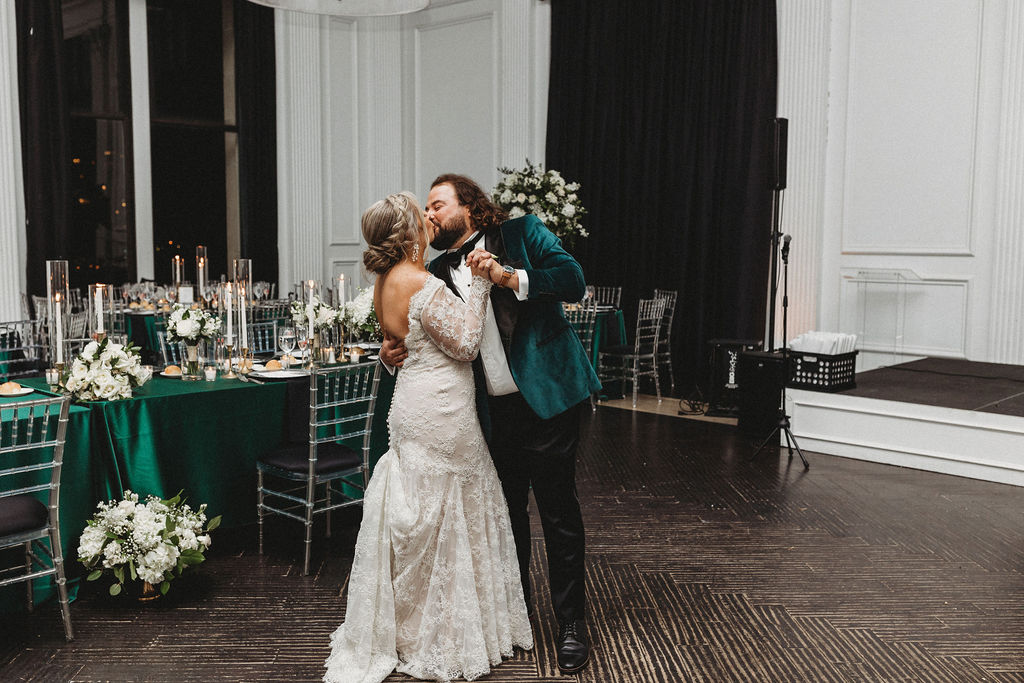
546, 358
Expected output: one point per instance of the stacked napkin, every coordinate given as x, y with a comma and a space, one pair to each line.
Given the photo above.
828, 343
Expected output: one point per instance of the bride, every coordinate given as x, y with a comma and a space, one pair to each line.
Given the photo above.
434, 590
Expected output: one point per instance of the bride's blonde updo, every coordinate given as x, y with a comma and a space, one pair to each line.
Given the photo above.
391, 228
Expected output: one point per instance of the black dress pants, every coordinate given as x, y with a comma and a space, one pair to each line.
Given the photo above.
531, 452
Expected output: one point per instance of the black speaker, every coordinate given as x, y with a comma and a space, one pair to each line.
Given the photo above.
779, 145
761, 391
726, 378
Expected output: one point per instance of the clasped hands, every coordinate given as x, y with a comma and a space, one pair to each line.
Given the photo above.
481, 262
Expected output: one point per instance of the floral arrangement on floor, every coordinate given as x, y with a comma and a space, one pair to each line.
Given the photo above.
323, 315
154, 541
546, 195
105, 371
191, 325
359, 317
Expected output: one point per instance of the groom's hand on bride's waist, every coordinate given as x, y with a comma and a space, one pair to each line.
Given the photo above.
393, 351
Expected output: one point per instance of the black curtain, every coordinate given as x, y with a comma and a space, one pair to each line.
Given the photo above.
45, 135
663, 111
257, 136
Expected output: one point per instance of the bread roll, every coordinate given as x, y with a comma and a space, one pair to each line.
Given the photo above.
10, 388
172, 370
273, 364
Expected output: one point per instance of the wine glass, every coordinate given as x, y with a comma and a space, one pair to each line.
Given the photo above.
302, 341
286, 340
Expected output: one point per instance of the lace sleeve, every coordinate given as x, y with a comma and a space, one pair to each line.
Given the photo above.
456, 326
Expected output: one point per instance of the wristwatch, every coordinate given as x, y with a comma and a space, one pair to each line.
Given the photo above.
506, 273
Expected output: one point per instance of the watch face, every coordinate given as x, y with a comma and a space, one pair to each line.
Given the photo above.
508, 269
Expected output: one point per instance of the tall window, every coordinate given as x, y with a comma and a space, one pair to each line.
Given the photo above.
193, 132
100, 240
212, 132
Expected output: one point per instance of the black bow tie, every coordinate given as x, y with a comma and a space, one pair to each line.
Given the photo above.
456, 257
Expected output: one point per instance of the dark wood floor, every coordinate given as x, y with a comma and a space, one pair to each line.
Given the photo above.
703, 566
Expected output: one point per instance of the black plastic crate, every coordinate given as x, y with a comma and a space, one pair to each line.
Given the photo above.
821, 372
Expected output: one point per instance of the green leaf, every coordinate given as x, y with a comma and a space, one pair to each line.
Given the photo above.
94, 575
214, 523
131, 568
115, 589
164, 587
119, 574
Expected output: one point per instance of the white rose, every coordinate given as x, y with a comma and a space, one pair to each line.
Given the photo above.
521, 197
516, 212
568, 210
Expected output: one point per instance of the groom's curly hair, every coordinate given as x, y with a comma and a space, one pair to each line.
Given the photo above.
483, 212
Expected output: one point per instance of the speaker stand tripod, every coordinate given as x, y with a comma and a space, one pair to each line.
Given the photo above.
782, 428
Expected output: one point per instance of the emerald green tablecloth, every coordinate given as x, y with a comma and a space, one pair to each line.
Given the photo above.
200, 437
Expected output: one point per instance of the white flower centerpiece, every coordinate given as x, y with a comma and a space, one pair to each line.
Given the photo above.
191, 326
153, 542
359, 317
314, 316
546, 195
105, 371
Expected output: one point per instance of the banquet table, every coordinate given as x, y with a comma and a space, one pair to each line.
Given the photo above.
202, 438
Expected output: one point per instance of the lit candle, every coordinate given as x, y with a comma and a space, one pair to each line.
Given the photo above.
341, 290
60, 329
241, 312
309, 309
98, 300
227, 295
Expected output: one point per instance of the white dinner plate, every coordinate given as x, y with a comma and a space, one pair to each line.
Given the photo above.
280, 374
20, 392
170, 374
138, 312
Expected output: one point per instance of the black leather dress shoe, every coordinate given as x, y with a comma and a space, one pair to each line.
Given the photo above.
573, 649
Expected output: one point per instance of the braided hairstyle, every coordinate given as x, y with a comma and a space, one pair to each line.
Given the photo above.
391, 227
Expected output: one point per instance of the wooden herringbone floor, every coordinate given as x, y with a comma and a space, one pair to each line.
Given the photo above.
703, 566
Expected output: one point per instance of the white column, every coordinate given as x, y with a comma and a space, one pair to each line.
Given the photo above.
380, 116
517, 91
803, 99
300, 147
12, 197
1007, 284
138, 45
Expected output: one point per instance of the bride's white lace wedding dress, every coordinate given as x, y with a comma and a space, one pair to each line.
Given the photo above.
434, 590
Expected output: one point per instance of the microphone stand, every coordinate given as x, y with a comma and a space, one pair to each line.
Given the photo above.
782, 427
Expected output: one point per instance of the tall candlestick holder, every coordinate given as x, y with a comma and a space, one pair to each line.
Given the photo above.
245, 361
229, 373
58, 308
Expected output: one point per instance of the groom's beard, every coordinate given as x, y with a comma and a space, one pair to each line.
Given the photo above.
449, 232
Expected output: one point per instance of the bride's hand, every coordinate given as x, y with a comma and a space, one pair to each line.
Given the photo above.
481, 262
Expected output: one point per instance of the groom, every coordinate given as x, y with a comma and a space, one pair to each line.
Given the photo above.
532, 376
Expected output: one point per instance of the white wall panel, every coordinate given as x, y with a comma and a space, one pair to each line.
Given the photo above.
911, 128
454, 94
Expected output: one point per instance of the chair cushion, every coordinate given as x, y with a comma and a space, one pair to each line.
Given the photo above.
19, 514
330, 457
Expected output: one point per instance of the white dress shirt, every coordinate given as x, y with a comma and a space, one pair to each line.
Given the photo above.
492, 352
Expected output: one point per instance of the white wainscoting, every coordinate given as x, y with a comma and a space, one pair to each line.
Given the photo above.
922, 146
395, 101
